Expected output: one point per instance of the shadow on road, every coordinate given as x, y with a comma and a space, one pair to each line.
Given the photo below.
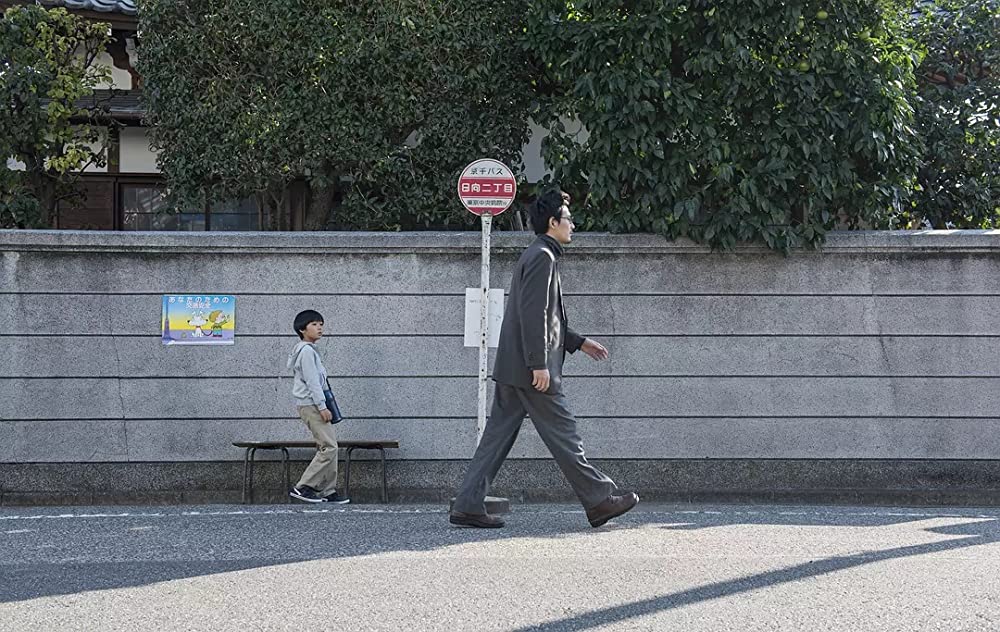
984, 531
64, 556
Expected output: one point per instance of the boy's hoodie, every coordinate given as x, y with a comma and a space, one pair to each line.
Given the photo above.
310, 375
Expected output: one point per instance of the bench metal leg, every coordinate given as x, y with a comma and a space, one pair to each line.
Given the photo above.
385, 479
285, 465
347, 473
250, 461
253, 456
246, 468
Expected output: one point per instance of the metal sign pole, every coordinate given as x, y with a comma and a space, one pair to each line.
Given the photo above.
486, 187
484, 312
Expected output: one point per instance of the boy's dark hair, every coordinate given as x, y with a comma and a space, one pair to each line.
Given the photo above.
547, 205
302, 320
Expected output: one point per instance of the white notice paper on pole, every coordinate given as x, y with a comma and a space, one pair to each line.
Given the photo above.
472, 316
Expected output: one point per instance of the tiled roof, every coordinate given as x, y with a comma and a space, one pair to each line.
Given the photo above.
124, 7
121, 105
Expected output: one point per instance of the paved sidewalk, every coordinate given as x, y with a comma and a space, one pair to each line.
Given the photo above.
371, 567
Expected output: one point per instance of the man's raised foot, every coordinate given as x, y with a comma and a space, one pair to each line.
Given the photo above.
611, 507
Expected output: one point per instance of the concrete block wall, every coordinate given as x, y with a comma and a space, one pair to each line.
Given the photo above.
879, 351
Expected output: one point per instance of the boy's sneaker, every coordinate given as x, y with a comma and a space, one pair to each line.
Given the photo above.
305, 494
336, 498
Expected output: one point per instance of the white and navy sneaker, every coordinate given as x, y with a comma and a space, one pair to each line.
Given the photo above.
305, 494
336, 499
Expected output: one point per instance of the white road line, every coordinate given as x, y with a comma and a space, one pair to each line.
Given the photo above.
194, 514
520, 510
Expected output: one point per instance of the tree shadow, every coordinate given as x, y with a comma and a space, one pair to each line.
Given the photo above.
983, 531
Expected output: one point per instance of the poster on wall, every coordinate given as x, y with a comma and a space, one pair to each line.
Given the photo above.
201, 319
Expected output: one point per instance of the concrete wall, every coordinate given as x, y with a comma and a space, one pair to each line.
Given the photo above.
883, 348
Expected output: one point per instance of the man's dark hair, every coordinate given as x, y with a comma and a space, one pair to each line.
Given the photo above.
302, 320
547, 205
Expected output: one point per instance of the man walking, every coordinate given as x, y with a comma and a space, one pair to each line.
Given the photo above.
534, 339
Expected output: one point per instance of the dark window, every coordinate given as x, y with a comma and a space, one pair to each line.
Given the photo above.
144, 207
238, 215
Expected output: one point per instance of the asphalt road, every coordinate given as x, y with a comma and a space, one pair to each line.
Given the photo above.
690, 568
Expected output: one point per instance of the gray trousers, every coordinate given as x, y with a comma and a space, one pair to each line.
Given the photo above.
557, 428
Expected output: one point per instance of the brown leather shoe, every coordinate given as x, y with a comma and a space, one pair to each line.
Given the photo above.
611, 507
483, 521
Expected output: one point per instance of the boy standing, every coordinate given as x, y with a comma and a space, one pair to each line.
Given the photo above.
319, 482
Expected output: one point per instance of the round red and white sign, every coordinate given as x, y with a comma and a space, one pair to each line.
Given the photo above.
487, 187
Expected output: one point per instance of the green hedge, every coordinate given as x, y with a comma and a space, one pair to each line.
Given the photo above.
957, 117
376, 105
752, 120
725, 122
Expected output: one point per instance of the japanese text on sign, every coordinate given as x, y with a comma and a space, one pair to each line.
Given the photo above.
487, 187
488, 171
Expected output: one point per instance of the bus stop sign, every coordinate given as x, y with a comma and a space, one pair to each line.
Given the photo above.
487, 187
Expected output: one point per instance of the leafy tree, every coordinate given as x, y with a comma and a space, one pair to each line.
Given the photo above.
47, 65
727, 122
957, 116
376, 105
18, 208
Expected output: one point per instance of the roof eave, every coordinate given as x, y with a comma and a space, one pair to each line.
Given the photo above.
117, 20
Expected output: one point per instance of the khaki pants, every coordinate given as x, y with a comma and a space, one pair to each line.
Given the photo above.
321, 474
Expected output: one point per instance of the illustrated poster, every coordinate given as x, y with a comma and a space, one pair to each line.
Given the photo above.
202, 319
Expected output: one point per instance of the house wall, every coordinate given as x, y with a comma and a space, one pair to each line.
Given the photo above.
136, 155
121, 79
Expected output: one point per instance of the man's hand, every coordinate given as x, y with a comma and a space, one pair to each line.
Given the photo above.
594, 349
540, 379
326, 415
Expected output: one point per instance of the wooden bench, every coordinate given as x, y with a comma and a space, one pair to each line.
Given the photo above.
251, 448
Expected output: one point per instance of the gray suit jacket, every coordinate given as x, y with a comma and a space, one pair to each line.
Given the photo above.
535, 332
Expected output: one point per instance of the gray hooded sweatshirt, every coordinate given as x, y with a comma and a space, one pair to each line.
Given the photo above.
310, 375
